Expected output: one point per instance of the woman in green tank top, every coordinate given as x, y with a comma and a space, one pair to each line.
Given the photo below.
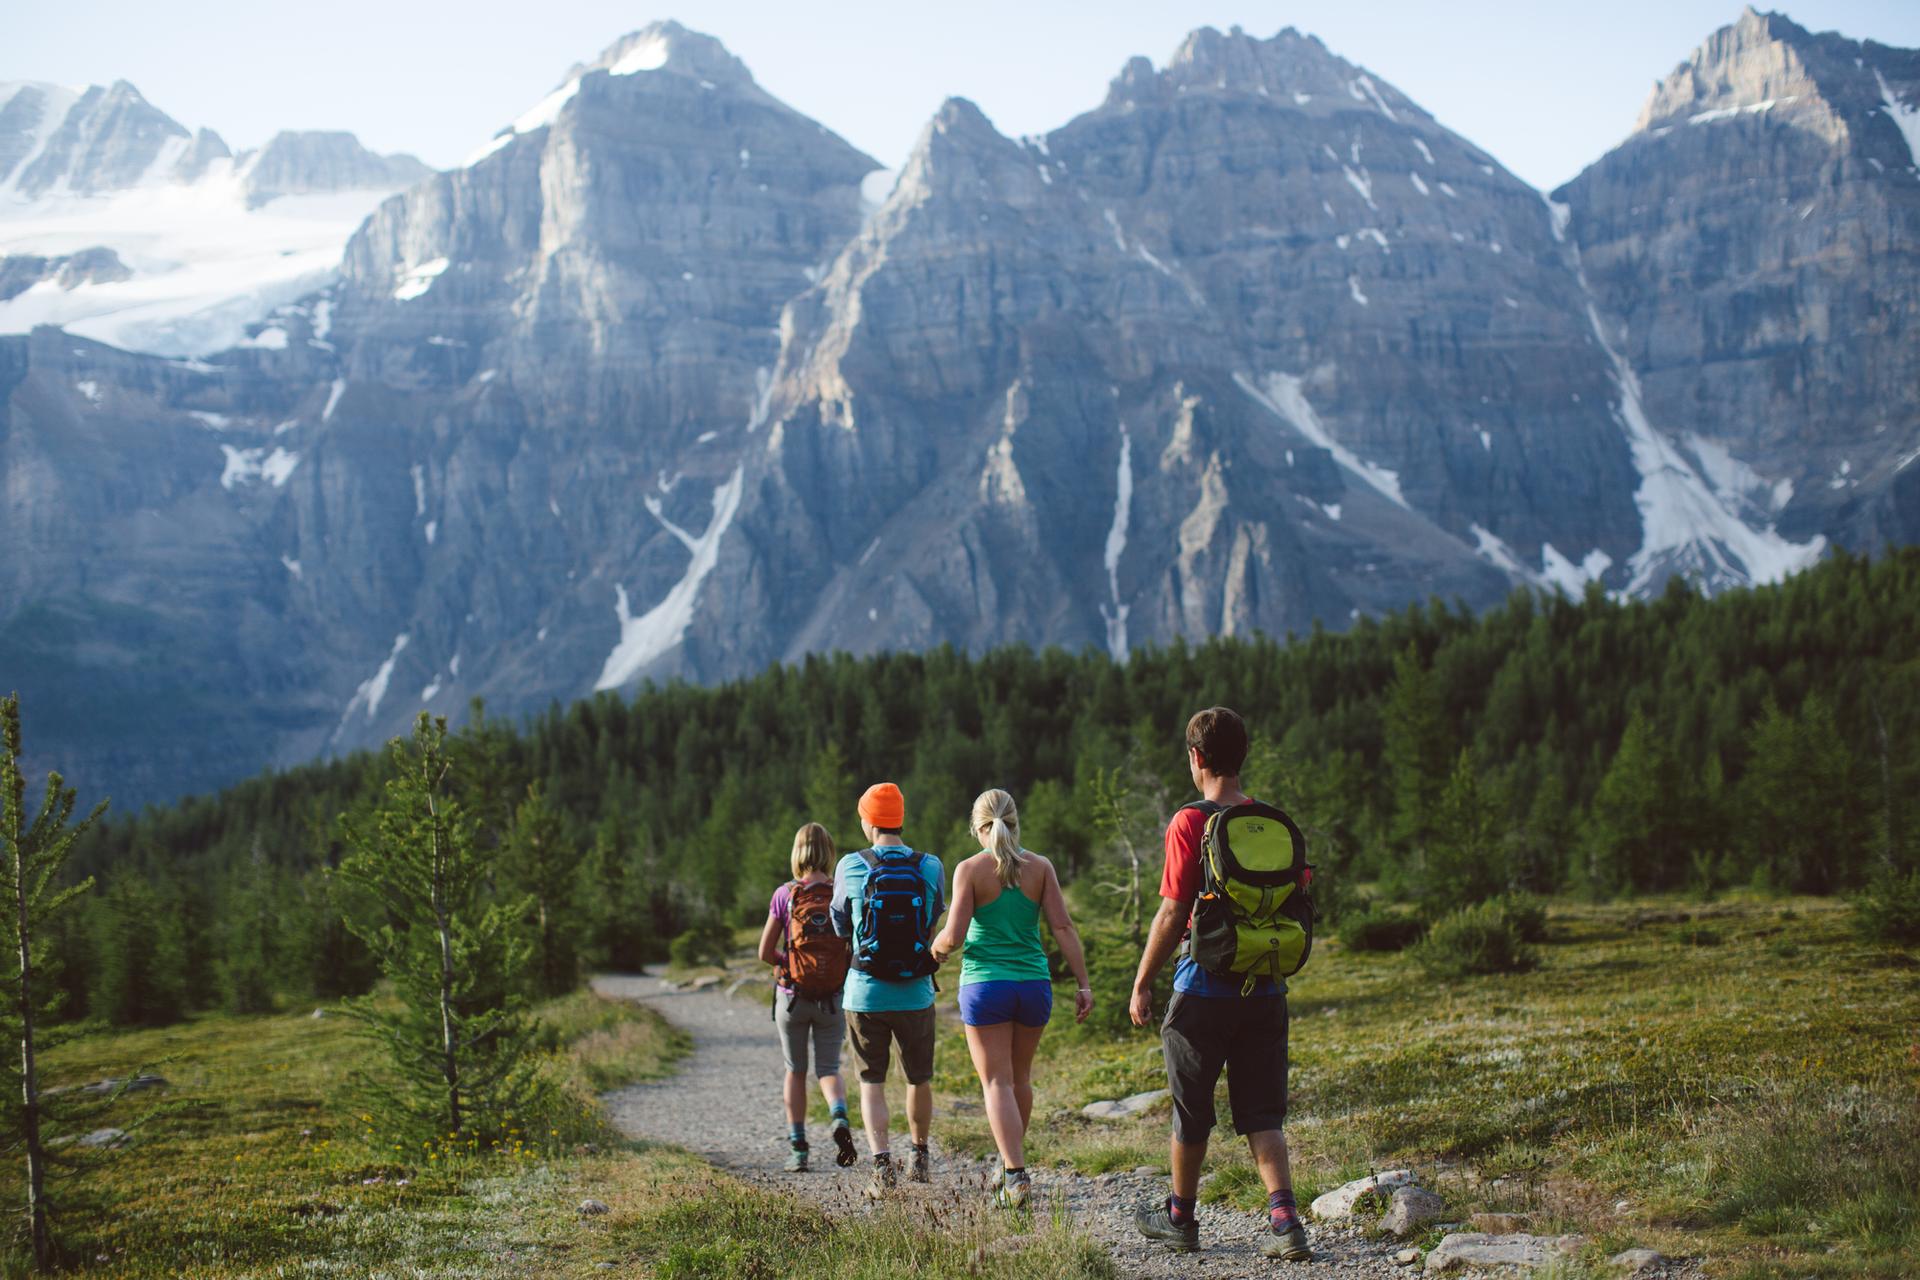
1006, 989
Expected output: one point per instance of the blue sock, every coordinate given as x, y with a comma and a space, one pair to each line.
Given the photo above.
1180, 1209
1281, 1213
840, 1112
797, 1134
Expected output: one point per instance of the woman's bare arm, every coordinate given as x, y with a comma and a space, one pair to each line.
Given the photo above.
959, 916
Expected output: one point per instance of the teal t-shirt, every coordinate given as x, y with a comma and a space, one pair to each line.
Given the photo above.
866, 993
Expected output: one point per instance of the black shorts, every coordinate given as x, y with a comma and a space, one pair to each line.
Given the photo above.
1248, 1037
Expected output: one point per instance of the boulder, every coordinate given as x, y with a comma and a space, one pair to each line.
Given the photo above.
592, 1208
1406, 1257
1518, 1252
109, 1085
1499, 1224
705, 982
1121, 1108
1639, 1262
1338, 1203
1412, 1208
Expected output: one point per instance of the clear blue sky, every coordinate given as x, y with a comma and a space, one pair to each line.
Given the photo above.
1545, 86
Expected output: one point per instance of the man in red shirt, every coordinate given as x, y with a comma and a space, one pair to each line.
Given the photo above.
1211, 1025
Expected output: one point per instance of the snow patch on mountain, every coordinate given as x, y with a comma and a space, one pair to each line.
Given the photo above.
1284, 396
373, 690
205, 267
257, 464
1116, 615
1558, 571
415, 281
1905, 116
659, 629
1685, 525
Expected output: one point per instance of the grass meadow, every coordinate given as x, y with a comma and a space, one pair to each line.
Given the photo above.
1740, 1085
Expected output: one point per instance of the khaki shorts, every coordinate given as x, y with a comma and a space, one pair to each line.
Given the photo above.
803, 1021
873, 1037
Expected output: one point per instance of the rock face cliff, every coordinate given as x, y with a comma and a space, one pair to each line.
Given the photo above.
646, 389
1754, 247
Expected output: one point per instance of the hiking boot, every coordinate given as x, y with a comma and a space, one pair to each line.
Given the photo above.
1289, 1245
1156, 1223
918, 1166
843, 1155
797, 1160
883, 1182
1014, 1192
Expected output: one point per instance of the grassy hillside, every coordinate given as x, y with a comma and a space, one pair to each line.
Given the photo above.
258, 1163
1738, 1080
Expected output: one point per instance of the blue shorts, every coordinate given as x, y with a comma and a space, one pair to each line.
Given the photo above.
988, 1004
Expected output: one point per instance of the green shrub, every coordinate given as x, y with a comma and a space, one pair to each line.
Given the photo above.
1380, 930
1112, 962
1526, 913
1889, 911
706, 941
1481, 939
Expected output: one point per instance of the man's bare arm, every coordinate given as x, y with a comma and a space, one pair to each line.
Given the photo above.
1169, 922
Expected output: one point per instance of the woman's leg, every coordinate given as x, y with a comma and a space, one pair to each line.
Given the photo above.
792, 1024
1025, 1041
992, 1050
829, 1033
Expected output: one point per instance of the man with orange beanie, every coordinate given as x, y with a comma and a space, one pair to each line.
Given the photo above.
888, 898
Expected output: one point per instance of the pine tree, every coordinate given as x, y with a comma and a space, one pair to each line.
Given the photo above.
35, 852
460, 1040
251, 942
1805, 803
542, 862
1463, 863
140, 959
1416, 751
1641, 828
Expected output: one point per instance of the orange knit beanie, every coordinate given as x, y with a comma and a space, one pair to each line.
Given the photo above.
884, 807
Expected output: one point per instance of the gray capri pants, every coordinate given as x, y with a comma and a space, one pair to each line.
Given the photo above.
799, 1019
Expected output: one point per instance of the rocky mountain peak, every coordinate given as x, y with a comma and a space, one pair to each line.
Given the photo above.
668, 46
105, 140
1763, 62
1288, 66
313, 161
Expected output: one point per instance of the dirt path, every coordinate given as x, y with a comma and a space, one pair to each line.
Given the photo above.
724, 1104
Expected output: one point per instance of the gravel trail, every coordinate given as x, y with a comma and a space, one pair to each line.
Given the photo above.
724, 1105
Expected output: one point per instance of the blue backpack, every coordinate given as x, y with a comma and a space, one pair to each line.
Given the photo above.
891, 943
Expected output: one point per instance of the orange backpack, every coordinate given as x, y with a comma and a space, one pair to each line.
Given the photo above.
817, 957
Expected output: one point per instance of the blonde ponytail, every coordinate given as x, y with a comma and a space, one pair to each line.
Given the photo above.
997, 822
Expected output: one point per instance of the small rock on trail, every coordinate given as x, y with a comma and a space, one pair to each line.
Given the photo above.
724, 1105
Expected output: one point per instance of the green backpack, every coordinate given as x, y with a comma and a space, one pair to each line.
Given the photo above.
1254, 916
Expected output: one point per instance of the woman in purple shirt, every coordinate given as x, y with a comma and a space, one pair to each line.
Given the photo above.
810, 966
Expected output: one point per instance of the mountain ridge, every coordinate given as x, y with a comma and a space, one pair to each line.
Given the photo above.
648, 390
